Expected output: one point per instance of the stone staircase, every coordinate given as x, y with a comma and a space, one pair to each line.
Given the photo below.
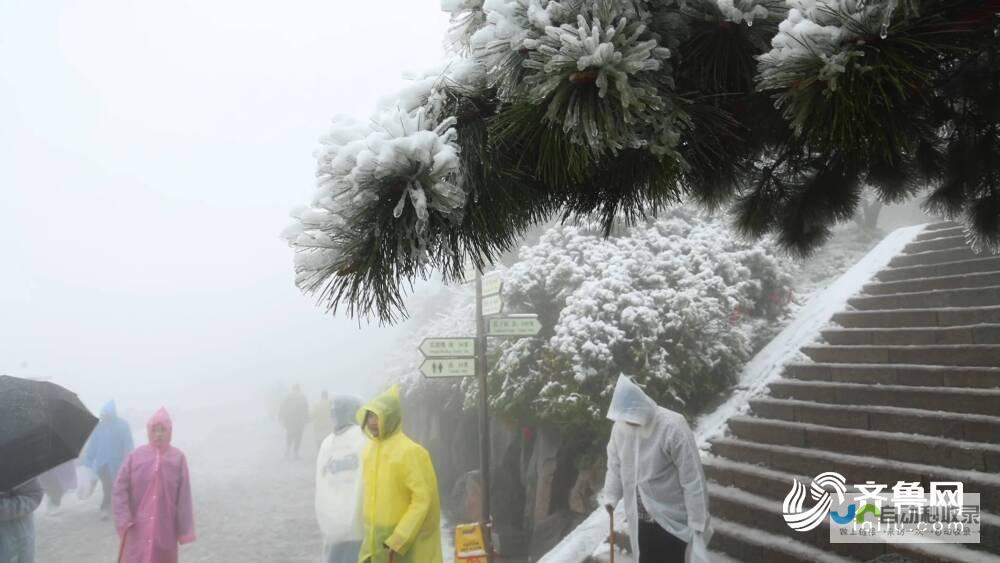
905, 386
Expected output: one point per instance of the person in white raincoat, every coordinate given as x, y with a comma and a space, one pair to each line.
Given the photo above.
654, 465
338, 484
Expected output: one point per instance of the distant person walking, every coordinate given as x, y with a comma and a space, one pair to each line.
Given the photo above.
402, 511
109, 444
17, 525
152, 499
653, 463
294, 417
322, 418
339, 484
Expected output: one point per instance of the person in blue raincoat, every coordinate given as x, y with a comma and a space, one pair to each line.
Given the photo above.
109, 445
17, 526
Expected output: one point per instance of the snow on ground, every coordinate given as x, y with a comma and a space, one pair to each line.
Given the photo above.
251, 505
767, 365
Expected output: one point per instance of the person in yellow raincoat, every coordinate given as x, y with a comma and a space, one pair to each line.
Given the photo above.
402, 511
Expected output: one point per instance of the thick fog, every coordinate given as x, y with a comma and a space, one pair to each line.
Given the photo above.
149, 155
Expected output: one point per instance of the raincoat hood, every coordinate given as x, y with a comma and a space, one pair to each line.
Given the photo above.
109, 443
109, 409
161, 417
388, 410
343, 411
630, 404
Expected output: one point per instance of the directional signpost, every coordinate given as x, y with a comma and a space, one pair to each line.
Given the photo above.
526, 325
492, 283
466, 357
448, 347
492, 305
448, 367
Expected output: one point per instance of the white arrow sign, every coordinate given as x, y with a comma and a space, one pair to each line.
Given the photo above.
448, 347
449, 367
492, 283
492, 305
515, 326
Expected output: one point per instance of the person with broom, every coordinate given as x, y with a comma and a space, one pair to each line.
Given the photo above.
654, 466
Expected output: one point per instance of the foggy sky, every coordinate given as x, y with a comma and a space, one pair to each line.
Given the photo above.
149, 155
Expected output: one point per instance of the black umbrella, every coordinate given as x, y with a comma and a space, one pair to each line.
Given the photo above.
42, 425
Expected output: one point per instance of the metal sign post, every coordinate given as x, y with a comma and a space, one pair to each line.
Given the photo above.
465, 357
484, 419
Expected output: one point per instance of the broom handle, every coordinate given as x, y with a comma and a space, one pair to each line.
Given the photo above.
612, 536
121, 548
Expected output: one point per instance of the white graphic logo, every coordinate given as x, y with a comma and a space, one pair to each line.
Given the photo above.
803, 521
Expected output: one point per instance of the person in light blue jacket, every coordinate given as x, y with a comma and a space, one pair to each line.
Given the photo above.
17, 525
109, 445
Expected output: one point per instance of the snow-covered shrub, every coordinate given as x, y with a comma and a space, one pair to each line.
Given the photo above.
680, 303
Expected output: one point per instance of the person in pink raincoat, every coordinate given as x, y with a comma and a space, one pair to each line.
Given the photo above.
152, 498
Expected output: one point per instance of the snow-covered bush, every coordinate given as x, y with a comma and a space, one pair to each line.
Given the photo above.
680, 303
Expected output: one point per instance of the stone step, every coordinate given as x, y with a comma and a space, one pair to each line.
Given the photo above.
942, 225
952, 552
752, 545
982, 279
855, 468
955, 426
897, 374
719, 557
972, 456
915, 318
937, 243
970, 334
755, 479
952, 231
963, 400
985, 355
734, 504
934, 257
937, 298
977, 265
771, 484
